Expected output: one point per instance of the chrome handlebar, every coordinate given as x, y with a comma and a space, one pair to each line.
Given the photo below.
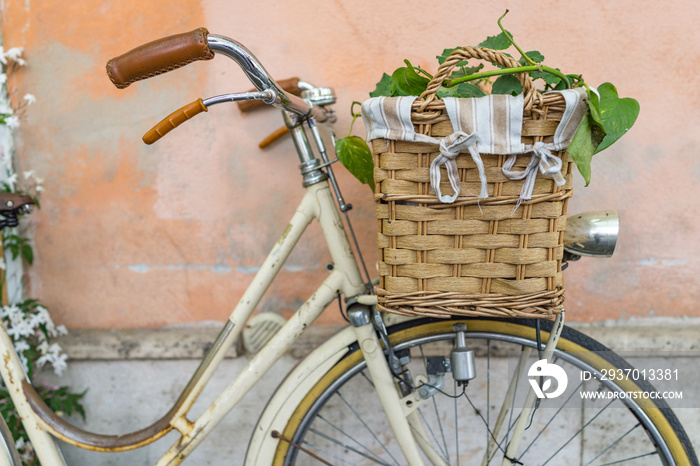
261, 79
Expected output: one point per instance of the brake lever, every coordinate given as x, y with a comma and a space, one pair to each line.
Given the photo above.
192, 109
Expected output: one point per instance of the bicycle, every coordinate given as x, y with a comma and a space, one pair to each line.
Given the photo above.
396, 373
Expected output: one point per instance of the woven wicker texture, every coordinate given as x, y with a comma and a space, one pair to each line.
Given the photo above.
481, 257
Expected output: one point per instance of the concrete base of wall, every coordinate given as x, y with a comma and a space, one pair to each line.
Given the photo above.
133, 377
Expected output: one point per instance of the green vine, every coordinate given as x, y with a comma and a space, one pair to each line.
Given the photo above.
609, 117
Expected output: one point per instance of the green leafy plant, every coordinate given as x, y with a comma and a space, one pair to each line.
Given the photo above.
354, 153
28, 323
608, 119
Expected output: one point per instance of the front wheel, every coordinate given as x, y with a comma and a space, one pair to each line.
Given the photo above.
340, 419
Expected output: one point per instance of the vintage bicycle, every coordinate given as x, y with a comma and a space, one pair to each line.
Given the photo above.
387, 389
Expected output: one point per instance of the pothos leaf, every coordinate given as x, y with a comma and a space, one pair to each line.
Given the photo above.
466, 71
498, 42
461, 90
548, 78
534, 55
597, 128
617, 115
355, 155
384, 87
408, 82
582, 149
507, 84
446, 53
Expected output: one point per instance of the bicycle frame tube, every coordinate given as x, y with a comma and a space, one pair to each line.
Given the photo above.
345, 277
317, 203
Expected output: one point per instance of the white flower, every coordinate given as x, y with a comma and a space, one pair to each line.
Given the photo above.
48, 357
30, 98
12, 122
59, 364
20, 329
30, 173
43, 347
9, 311
3, 60
3, 78
39, 188
61, 330
21, 62
15, 53
21, 346
2, 263
11, 180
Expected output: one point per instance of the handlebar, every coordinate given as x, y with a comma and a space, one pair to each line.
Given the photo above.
170, 53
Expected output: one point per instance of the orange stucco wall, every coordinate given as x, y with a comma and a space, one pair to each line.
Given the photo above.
136, 236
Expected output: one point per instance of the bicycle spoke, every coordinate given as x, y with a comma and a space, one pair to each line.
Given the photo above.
489, 434
509, 398
551, 419
344, 445
340, 431
362, 421
633, 458
445, 452
561, 430
578, 432
488, 392
364, 376
613, 444
424, 444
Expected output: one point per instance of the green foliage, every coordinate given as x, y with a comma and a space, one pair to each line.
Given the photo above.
355, 155
507, 84
57, 398
62, 401
535, 56
617, 115
407, 81
582, 148
18, 245
28, 323
497, 42
608, 119
461, 90
384, 87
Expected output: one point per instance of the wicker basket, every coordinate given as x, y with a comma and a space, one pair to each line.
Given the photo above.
497, 256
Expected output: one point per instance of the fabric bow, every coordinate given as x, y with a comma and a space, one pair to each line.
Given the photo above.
450, 148
542, 159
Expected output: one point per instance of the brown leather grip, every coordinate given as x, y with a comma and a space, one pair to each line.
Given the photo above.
174, 120
290, 85
159, 56
278, 133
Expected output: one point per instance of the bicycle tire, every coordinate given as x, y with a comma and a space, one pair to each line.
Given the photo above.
310, 419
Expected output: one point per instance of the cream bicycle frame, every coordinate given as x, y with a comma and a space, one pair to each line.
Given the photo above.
345, 277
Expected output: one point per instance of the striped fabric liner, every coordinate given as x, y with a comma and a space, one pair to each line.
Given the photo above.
491, 125
497, 119
389, 118
575, 110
